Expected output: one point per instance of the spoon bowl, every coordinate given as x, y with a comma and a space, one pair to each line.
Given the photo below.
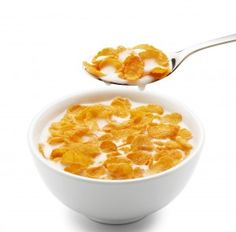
175, 60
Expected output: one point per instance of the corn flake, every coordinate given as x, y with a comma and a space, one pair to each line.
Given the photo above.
133, 68
120, 170
95, 172
110, 52
75, 169
163, 131
108, 146
140, 158
93, 70
156, 54
173, 118
73, 157
121, 106
109, 61
185, 133
142, 142
159, 73
138, 172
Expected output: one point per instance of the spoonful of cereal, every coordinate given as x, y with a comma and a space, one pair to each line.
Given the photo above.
142, 64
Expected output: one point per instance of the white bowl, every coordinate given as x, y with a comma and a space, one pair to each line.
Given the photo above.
116, 201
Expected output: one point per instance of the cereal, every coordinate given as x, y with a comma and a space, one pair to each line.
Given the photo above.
107, 52
55, 140
108, 146
73, 157
106, 136
159, 73
92, 69
115, 140
95, 172
120, 170
173, 118
90, 148
113, 153
183, 143
75, 169
41, 149
163, 131
142, 142
58, 152
121, 107
138, 172
185, 133
162, 164
156, 54
132, 67
151, 108
125, 149
117, 160
140, 158
109, 61
172, 153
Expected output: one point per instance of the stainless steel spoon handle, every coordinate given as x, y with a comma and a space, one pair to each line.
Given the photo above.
183, 54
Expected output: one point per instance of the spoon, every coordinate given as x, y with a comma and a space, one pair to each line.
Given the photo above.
175, 59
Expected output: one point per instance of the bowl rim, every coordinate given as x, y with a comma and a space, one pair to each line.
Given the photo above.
35, 152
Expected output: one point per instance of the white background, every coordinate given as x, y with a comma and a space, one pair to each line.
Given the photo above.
42, 45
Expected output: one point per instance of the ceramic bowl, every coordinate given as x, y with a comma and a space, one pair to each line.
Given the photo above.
116, 201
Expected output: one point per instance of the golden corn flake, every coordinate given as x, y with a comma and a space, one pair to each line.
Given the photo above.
107, 52
95, 172
55, 140
172, 153
75, 108
142, 142
163, 131
164, 163
138, 172
75, 169
183, 143
90, 149
159, 73
109, 61
172, 144
58, 152
94, 112
113, 153
151, 108
173, 118
125, 149
133, 68
140, 158
156, 54
93, 70
108, 146
41, 149
73, 157
117, 141
117, 160
185, 133
121, 106
120, 170
106, 136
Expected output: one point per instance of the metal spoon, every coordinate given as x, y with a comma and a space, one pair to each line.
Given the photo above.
178, 57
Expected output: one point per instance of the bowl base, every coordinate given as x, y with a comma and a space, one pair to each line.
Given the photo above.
116, 222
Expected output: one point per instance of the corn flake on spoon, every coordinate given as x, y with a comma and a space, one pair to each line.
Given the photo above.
143, 64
